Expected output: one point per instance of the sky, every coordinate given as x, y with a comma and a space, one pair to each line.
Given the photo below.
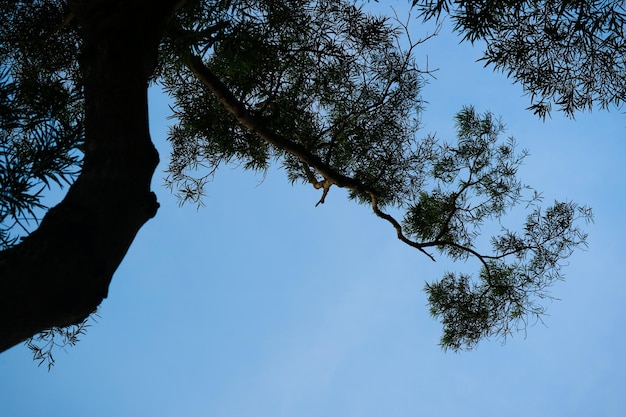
262, 305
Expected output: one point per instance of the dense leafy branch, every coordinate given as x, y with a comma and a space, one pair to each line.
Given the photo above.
474, 180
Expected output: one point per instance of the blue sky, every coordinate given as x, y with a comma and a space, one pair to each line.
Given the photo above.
261, 304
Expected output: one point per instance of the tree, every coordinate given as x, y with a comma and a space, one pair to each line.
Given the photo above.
322, 87
568, 53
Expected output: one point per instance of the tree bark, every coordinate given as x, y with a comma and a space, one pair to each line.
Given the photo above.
61, 272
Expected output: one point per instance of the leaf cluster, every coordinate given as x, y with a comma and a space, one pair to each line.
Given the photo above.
568, 53
43, 344
512, 282
475, 181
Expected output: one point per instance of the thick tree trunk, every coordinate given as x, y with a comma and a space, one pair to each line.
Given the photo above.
60, 273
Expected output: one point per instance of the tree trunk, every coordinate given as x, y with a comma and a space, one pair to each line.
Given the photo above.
61, 272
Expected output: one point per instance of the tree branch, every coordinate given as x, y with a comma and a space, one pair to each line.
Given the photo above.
245, 118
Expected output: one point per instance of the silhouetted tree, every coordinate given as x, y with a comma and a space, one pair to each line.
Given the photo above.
322, 88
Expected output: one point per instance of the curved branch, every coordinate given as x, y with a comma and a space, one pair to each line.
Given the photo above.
481, 258
398, 227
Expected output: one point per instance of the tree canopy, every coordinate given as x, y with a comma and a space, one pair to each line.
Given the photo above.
568, 53
322, 88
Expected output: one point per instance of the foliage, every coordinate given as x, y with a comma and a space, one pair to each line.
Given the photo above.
41, 129
568, 53
42, 344
523, 264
